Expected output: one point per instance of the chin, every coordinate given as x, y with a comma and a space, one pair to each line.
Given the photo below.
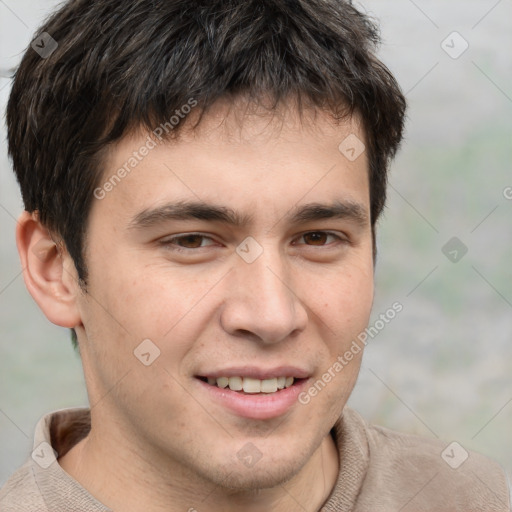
266, 476
235, 477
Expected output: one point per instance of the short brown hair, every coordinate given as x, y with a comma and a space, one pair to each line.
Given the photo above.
125, 64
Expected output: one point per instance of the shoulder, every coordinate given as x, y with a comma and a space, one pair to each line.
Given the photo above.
425, 474
21, 493
41, 485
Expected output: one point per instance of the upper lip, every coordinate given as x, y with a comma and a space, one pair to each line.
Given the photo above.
254, 372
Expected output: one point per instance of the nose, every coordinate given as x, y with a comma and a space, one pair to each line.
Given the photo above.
262, 303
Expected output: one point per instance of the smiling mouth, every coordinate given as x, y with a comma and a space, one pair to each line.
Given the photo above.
248, 385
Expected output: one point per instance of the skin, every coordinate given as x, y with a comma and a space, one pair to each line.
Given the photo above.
157, 441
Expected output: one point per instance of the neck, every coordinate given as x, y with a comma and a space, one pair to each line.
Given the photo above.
104, 471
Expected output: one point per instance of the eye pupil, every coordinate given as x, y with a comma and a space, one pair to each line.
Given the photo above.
190, 241
316, 238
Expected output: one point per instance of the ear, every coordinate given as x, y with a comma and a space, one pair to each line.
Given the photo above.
49, 272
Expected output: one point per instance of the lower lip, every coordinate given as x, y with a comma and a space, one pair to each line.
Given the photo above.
260, 406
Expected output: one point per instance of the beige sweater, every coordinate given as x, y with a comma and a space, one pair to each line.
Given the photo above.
380, 471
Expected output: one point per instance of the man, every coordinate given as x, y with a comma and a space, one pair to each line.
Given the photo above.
202, 183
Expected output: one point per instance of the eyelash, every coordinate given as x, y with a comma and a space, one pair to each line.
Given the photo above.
169, 242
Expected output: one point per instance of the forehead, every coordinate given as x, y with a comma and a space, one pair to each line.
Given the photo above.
239, 158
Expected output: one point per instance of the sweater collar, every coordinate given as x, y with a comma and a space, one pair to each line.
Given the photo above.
58, 432
349, 434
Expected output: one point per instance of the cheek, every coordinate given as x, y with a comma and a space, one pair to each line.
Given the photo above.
344, 300
164, 306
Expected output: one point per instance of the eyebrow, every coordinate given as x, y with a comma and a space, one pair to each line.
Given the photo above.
196, 210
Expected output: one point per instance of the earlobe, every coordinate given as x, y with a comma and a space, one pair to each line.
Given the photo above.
48, 271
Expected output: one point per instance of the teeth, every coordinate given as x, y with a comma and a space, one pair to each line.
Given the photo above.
269, 386
222, 382
250, 385
235, 383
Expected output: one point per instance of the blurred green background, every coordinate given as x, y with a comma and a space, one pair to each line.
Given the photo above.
443, 366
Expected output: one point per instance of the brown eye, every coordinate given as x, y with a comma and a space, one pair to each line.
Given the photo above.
319, 238
189, 241
316, 238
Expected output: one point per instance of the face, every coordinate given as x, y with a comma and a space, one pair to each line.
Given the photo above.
239, 255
